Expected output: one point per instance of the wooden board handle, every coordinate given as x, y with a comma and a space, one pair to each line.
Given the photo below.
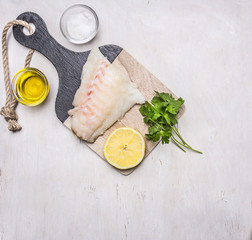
42, 41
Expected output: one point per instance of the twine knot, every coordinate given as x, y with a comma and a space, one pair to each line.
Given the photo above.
14, 125
8, 113
11, 117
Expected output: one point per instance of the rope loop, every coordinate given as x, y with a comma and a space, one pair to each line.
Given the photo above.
8, 111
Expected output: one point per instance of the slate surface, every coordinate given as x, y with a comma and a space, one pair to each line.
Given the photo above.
68, 63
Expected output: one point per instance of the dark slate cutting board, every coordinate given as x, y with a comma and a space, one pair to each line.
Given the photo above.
69, 66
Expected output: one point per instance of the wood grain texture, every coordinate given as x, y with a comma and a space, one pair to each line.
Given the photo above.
147, 83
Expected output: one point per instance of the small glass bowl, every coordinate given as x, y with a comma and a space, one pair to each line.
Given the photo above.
76, 20
20, 86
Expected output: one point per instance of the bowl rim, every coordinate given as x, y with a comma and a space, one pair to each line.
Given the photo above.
13, 84
86, 39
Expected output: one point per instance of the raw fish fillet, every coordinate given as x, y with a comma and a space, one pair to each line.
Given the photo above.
106, 93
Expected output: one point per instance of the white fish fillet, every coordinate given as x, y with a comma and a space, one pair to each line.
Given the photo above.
106, 93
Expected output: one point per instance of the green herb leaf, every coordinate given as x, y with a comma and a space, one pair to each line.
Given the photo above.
165, 96
173, 118
161, 116
146, 111
153, 129
174, 106
147, 120
160, 107
156, 100
167, 118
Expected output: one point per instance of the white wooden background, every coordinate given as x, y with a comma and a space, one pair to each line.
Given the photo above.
53, 187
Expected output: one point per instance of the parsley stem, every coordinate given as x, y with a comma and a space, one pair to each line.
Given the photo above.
196, 150
189, 147
176, 142
178, 134
179, 142
186, 145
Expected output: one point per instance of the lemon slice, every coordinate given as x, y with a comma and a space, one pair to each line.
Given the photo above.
124, 148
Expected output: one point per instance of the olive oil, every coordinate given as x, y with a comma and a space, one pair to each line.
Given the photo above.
31, 86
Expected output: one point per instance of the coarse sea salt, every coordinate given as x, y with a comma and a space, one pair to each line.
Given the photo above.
81, 26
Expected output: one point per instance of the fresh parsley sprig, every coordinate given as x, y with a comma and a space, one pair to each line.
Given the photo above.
161, 116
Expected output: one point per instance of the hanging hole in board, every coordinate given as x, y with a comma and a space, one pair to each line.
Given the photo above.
26, 31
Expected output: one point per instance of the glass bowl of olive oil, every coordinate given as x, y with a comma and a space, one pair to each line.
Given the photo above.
30, 86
